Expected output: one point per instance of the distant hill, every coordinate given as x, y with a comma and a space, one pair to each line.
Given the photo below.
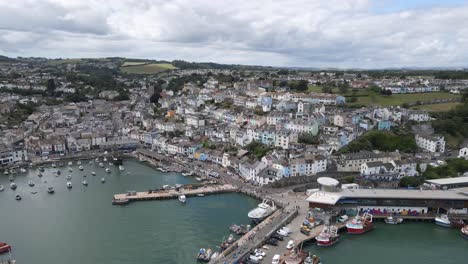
6, 59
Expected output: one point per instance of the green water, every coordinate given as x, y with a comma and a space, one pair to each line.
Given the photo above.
80, 225
410, 242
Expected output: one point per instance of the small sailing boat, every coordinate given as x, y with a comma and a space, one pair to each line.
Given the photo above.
69, 185
39, 175
53, 165
103, 180
31, 183
23, 170
78, 162
84, 182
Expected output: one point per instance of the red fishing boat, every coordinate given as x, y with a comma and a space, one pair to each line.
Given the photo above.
360, 224
4, 247
328, 236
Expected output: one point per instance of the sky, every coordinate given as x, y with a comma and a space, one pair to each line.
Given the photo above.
292, 33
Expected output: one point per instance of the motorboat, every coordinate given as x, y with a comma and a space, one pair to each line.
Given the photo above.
33, 192
41, 169
464, 231
17, 197
108, 170
105, 159
78, 162
69, 185
328, 237
97, 159
93, 173
11, 178
5, 172
13, 186
80, 168
200, 194
13, 171
53, 165
111, 164
39, 175
443, 220
2, 188
69, 177
23, 170
4, 247
31, 183
393, 220
84, 182
123, 201
70, 163
58, 172
103, 180
50, 189
70, 170
101, 165
121, 168
182, 198
360, 224
204, 255
262, 211
457, 223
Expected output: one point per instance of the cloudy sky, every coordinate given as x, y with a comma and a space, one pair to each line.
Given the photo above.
312, 33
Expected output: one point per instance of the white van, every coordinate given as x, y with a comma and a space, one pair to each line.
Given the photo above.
276, 259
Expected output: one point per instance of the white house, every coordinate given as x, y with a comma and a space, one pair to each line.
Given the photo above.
435, 144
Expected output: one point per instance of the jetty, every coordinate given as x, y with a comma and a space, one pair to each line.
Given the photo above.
174, 193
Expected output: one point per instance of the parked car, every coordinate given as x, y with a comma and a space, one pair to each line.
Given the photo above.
282, 233
276, 259
290, 244
272, 242
277, 236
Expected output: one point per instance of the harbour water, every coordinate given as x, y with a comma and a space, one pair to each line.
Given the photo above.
81, 226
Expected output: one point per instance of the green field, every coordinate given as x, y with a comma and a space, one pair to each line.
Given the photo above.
399, 99
443, 107
133, 63
151, 68
63, 61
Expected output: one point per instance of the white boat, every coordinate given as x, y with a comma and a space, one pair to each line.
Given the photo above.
93, 173
69, 185
262, 211
5, 172
80, 168
111, 164
23, 170
105, 159
200, 194
11, 178
1, 188
182, 198
78, 162
50, 189
97, 159
198, 178
69, 177
101, 165
121, 168
84, 182
17, 197
31, 183
70, 163
53, 165
39, 175
103, 180
70, 170
108, 170
443, 220
393, 220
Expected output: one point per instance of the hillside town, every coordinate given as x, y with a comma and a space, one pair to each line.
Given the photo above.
264, 125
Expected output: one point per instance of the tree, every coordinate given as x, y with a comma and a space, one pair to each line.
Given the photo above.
50, 86
327, 89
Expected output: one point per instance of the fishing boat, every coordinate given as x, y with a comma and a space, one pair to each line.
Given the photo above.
328, 237
101, 165
393, 220
50, 189
80, 168
121, 168
464, 231
120, 201
4, 247
23, 170
360, 224
53, 165
443, 220
296, 256
13, 186
70, 163
31, 183
11, 178
111, 164
108, 170
262, 211
103, 180
84, 182
17, 197
69, 185
182, 198
93, 173
312, 260
69, 177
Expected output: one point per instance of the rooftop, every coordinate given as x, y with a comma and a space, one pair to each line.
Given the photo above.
447, 181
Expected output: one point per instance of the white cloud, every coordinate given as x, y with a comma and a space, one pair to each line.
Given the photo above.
287, 33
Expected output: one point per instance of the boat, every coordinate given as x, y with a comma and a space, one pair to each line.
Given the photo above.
200, 194
108, 170
11, 178
70, 163
204, 255
464, 231
84, 182
58, 172
39, 175
50, 189
78, 162
393, 221
5, 172
90, 162
296, 256
41, 169
80, 168
105, 159
53, 165
443, 220
123, 201
262, 211
214, 256
360, 224
182, 198
69, 185
457, 223
31, 183
1, 188
328, 237
111, 164
13, 186
121, 168
198, 178
69, 177
101, 165
103, 180
23, 170
17, 197
93, 173
312, 260
97, 159
70, 170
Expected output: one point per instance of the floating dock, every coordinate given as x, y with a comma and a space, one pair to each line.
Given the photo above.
174, 194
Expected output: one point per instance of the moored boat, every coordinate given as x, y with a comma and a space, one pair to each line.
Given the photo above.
39, 175
70, 163
4, 247
1, 188
329, 236
31, 183
443, 220
17, 197
262, 211
80, 168
360, 224
23, 170
182, 198
93, 173
11, 178
69, 177
84, 182
108, 170
101, 165
457, 223
121, 168
393, 220
50, 189
13, 186
464, 231
120, 201
69, 185
103, 180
